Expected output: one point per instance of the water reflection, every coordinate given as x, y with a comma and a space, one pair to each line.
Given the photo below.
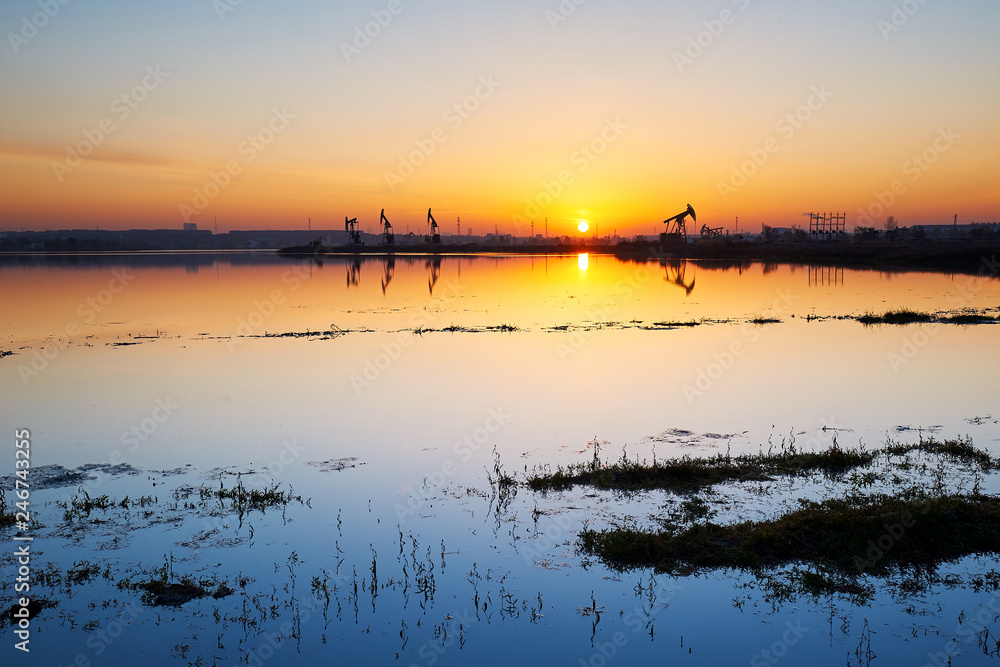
434, 270
164, 291
675, 273
388, 268
354, 272
825, 276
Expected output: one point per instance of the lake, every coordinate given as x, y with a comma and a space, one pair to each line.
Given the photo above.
357, 414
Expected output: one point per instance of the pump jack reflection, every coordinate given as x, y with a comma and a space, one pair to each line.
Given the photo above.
674, 270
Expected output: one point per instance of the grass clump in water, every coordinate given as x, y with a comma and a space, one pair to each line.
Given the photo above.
899, 316
860, 534
244, 500
969, 318
960, 451
688, 474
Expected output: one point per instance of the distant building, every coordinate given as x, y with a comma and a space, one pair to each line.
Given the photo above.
190, 226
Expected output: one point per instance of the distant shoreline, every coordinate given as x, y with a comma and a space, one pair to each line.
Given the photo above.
962, 256
958, 256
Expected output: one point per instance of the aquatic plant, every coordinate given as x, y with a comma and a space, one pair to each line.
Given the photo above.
686, 474
899, 316
854, 534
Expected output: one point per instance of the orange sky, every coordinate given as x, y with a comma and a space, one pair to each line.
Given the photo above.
621, 115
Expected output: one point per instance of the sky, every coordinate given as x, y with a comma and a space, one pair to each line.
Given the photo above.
125, 114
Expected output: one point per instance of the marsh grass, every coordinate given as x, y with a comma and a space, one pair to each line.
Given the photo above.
906, 316
845, 537
959, 451
898, 316
83, 505
244, 500
838, 532
686, 475
689, 475
969, 318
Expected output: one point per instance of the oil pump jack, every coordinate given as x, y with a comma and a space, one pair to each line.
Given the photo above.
676, 228
435, 235
388, 238
353, 233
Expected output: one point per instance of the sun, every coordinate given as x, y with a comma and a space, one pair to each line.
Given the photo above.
583, 226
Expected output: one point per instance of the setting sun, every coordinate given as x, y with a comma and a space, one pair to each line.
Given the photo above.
583, 226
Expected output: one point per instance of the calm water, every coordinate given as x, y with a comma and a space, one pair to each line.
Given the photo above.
384, 392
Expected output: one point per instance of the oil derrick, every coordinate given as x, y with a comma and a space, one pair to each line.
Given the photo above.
676, 226
388, 238
435, 234
353, 233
